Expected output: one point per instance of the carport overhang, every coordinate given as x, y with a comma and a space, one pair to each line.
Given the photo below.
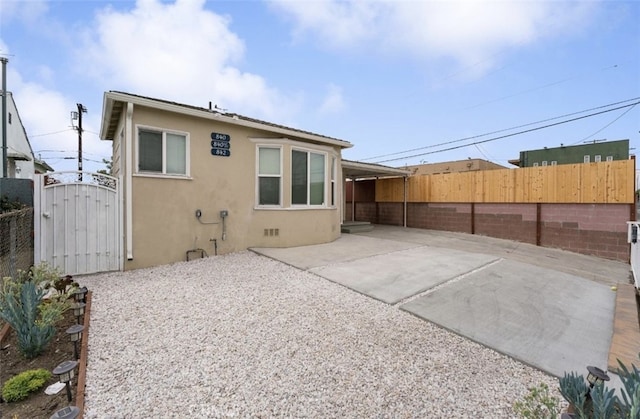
355, 170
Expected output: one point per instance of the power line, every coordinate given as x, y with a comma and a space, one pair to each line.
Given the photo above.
51, 133
606, 126
498, 131
510, 135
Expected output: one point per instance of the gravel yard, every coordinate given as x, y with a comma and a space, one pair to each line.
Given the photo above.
243, 335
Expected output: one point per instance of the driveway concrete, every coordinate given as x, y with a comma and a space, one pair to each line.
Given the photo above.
548, 308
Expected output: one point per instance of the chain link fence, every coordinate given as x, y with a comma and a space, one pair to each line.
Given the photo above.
16, 241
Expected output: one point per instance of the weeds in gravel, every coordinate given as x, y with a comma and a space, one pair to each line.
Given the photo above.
539, 403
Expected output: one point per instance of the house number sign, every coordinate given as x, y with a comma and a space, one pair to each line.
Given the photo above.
220, 144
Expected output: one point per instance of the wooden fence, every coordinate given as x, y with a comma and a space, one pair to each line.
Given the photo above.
603, 183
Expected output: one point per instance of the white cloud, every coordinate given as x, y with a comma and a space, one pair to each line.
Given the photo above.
333, 101
25, 11
177, 51
340, 23
468, 32
46, 116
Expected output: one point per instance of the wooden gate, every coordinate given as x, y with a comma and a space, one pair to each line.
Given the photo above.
77, 222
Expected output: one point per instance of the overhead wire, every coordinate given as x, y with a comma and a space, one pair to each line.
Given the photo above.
508, 135
498, 131
605, 127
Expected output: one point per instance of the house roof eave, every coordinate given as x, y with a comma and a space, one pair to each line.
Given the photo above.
109, 120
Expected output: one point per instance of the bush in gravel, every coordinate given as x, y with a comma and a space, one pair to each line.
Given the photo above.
537, 404
22, 306
20, 386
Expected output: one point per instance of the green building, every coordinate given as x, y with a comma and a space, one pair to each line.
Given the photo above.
585, 153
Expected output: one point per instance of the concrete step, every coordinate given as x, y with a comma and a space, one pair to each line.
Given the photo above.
356, 227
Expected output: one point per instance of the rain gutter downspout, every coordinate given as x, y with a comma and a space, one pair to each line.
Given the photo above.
128, 143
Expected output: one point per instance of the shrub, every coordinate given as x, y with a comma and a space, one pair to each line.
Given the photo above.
538, 404
574, 389
21, 305
600, 402
20, 386
629, 406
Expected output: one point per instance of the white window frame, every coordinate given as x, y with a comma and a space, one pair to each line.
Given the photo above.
554, 162
544, 162
326, 180
535, 164
258, 175
587, 158
597, 158
164, 132
609, 158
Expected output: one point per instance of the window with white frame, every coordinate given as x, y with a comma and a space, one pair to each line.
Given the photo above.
162, 152
554, 162
269, 175
609, 158
535, 164
307, 178
544, 162
597, 158
587, 158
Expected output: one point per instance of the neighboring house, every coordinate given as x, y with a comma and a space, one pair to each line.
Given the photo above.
41, 166
19, 154
584, 153
194, 178
469, 165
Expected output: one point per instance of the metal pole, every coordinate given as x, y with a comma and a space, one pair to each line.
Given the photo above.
5, 162
79, 137
81, 109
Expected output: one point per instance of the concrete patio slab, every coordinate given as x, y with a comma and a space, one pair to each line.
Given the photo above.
411, 271
554, 321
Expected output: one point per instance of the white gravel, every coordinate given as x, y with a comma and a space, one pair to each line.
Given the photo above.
242, 335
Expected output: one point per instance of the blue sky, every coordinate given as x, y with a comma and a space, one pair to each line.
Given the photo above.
397, 79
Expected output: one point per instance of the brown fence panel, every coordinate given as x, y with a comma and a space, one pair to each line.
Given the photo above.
390, 190
604, 182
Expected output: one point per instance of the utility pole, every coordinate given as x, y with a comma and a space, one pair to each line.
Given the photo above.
5, 161
81, 110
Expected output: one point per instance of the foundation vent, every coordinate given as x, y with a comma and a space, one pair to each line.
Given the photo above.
271, 232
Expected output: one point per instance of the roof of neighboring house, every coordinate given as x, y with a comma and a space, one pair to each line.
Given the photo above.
41, 166
114, 103
12, 153
359, 170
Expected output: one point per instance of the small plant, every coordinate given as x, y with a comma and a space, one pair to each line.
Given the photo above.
51, 278
20, 386
629, 406
21, 305
538, 404
603, 402
574, 389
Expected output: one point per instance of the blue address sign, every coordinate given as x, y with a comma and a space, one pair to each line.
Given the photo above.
220, 152
220, 137
220, 144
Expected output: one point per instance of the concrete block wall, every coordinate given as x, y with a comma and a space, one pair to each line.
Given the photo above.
591, 229
506, 221
445, 217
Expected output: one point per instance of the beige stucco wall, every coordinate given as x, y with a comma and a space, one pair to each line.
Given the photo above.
164, 226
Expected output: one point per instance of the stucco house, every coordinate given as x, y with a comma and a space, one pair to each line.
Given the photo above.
20, 161
197, 179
